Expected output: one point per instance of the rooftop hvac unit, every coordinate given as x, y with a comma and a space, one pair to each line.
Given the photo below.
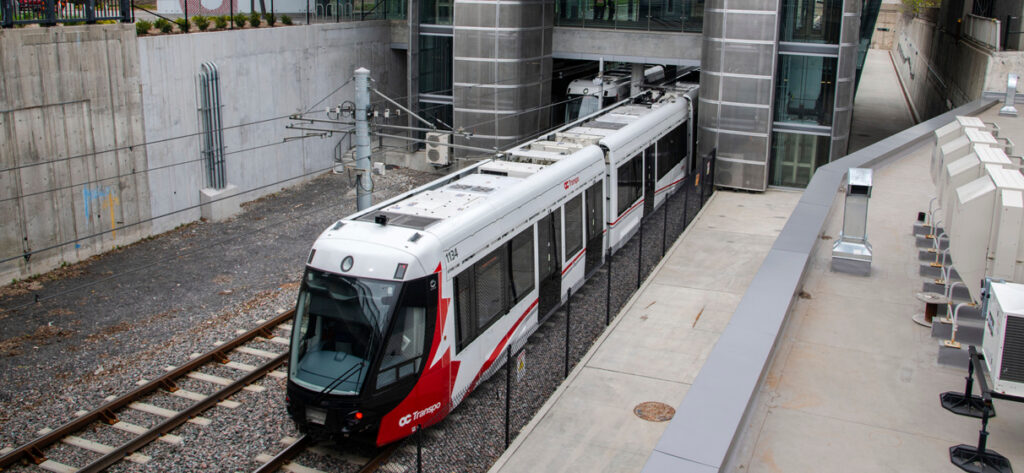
1003, 342
969, 230
964, 170
986, 227
437, 153
958, 148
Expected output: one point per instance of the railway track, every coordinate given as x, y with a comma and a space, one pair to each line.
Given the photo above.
34, 451
293, 447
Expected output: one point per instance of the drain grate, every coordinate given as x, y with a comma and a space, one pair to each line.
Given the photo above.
654, 411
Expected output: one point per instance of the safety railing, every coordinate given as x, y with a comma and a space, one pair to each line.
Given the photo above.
51, 12
983, 30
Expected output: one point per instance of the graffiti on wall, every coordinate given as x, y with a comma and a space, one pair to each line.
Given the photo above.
105, 201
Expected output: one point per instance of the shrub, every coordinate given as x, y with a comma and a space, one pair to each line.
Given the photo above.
239, 20
286, 19
183, 24
142, 27
163, 25
201, 22
221, 21
254, 20
271, 18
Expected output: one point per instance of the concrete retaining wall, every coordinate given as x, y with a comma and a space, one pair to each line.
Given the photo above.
266, 74
66, 94
70, 95
940, 72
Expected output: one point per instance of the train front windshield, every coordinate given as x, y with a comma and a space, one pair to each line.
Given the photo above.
339, 324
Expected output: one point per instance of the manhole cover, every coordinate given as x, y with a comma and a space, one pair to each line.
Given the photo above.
654, 411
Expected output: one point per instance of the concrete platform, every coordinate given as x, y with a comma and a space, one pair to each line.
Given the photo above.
656, 345
855, 384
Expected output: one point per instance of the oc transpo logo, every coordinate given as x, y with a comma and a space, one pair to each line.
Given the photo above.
408, 418
571, 182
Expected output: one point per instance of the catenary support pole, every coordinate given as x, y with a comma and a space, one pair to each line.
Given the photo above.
364, 183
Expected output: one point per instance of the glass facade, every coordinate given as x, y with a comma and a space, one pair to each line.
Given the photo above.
436, 12
805, 89
796, 156
811, 21
650, 15
435, 64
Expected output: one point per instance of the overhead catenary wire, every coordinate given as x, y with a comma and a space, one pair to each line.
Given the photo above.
144, 171
28, 254
131, 147
290, 216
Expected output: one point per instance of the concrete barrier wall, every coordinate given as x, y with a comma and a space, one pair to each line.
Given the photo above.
92, 120
68, 96
265, 74
940, 72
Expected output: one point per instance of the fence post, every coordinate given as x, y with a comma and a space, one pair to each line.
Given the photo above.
419, 448
568, 316
686, 203
608, 292
7, 10
664, 226
508, 391
307, 12
51, 12
185, 2
640, 254
231, 11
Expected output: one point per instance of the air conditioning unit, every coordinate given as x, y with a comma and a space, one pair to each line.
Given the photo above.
438, 154
1003, 342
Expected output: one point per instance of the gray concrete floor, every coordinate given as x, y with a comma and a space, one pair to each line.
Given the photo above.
855, 384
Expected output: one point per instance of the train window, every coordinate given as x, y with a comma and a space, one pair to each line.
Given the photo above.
491, 284
629, 183
573, 226
464, 308
671, 150
521, 263
404, 350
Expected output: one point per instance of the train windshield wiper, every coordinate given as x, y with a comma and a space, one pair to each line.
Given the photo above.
357, 368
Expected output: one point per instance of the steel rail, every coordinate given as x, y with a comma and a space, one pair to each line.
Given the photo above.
173, 422
284, 456
105, 413
373, 464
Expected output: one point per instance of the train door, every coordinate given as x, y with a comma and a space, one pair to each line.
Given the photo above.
549, 261
593, 214
650, 179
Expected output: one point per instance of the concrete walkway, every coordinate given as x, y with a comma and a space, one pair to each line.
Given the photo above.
880, 109
656, 345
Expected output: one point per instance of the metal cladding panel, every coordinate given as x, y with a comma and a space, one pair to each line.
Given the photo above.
741, 175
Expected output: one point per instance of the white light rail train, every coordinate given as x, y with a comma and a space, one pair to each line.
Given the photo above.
404, 306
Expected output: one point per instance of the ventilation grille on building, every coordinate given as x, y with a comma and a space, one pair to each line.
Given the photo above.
1012, 368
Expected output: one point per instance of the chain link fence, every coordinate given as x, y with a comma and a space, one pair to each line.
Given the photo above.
525, 375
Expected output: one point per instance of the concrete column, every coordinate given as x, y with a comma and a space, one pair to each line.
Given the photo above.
636, 78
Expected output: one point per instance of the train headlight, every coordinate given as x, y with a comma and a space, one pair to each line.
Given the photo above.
346, 264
